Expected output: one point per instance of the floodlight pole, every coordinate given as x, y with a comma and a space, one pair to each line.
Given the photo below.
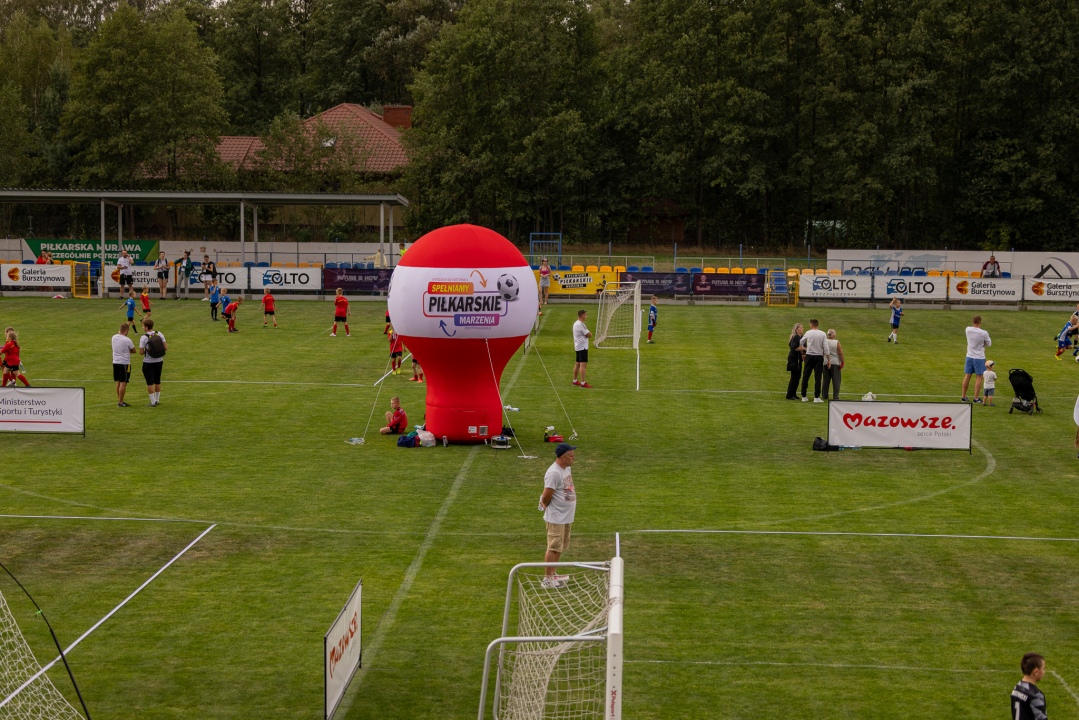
243, 246
391, 237
255, 214
119, 229
102, 249
382, 229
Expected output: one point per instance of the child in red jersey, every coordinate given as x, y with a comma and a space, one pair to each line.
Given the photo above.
340, 313
230, 313
145, 298
417, 371
397, 349
396, 419
10, 351
387, 330
268, 309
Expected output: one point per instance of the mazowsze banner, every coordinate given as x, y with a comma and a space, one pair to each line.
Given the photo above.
286, 278
886, 287
1058, 290
87, 250
824, 287
985, 288
28, 276
941, 426
342, 651
728, 285
565, 282
43, 410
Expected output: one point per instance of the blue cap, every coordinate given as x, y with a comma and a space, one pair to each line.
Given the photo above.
563, 448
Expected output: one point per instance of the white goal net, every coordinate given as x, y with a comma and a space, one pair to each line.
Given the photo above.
565, 660
618, 324
39, 700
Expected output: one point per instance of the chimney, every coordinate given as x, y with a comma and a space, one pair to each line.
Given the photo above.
397, 116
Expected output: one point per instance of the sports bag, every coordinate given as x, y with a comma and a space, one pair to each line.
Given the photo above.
155, 345
410, 440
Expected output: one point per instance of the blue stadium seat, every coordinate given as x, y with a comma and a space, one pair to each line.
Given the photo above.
681, 270
196, 264
564, 268
261, 264
890, 273
919, 273
95, 263
344, 266
696, 270
906, 272
141, 263
28, 262
849, 272
331, 266
249, 264
534, 267
865, 271
633, 268
647, 268
1005, 274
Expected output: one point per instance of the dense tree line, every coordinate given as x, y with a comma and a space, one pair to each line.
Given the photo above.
928, 123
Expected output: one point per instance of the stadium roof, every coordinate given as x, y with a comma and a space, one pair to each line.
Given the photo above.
198, 197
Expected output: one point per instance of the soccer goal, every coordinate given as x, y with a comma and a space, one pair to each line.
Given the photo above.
26, 692
81, 280
565, 660
618, 324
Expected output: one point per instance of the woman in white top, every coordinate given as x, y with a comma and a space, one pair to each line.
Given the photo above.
161, 267
834, 365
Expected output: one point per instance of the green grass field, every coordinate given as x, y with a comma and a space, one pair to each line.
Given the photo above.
251, 436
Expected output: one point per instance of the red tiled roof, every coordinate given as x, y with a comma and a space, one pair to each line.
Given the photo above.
380, 143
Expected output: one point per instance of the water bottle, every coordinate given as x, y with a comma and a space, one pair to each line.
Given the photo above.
445, 441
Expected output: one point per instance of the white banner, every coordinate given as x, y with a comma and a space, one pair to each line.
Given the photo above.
35, 275
228, 278
42, 410
834, 286
1056, 290
886, 287
985, 288
141, 275
341, 650
286, 278
941, 426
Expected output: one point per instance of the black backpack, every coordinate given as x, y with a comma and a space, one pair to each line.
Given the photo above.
155, 345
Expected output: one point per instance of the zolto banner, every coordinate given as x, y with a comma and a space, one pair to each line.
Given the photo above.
835, 286
940, 426
886, 287
660, 283
27, 276
142, 276
286, 278
1036, 289
356, 280
341, 651
87, 250
740, 285
229, 278
43, 410
985, 288
578, 283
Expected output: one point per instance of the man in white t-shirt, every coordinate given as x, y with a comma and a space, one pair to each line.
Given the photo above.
580, 346
121, 362
123, 268
558, 503
815, 346
977, 341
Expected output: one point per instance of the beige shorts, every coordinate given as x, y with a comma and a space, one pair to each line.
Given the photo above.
558, 537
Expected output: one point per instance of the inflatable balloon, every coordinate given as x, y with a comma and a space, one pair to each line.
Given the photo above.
463, 300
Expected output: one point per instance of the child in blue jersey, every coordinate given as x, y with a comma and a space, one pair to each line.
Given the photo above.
1064, 337
897, 313
130, 305
215, 301
225, 299
653, 314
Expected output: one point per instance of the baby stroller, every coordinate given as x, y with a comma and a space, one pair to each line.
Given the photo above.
1026, 400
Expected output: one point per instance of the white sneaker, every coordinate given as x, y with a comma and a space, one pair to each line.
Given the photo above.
551, 581
817, 400
206, 299
333, 334
805, 399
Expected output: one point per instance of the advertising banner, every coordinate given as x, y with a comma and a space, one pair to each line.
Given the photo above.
653, 283
42, 410
31, 276
985, 289
826, 287
286, 278
740, 285
940, 426
1054, 290
356, 280
886, 287
87, 250
578, 283
341, 651
227, 278
141, 275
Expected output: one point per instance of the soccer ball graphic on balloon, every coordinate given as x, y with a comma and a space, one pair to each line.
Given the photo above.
508, 288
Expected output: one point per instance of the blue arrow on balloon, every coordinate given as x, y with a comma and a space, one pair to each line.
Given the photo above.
442, 324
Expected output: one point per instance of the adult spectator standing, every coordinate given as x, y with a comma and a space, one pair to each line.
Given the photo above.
183, 274
794, 360
121, 362
152, 347
42, 259
580, 347
991, 268
208, 277
545, 281
161, 267
559, 504
1027, 701
123, 267
835, 363
814, 345
977, 341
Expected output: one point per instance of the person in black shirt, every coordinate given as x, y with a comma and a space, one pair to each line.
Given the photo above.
794, 360
1027, 701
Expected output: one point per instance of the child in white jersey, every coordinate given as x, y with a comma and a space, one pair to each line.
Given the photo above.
990, 378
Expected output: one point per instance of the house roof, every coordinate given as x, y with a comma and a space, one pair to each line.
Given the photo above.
381, 143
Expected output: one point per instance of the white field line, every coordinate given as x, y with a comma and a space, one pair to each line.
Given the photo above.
838, 666
1066, 686
828, 533
115, 519
112, 612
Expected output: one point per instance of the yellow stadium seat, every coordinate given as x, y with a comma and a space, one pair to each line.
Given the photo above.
736, 271
619, 268
947, 273
835, 272
933, 273
592, 268
709, 271
792, 272
976, 274
276, 264
962, 273
750, 271
807, 271
577, 268
723, 271
820, 271
290, 264
316, 265
305, 264
606, 268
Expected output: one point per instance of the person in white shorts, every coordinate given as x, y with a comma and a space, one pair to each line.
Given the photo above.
559, 504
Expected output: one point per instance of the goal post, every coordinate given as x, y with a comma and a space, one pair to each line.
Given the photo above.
81, 280
618, 322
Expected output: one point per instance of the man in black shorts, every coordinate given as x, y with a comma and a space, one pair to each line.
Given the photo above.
121, 362
208, 276
123, 266
1027, 701
151, 365
580, 347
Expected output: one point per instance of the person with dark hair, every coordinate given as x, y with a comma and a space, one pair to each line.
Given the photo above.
991, 268
558, 503
977, 341
183, 274
161, 267
152, 347
814, 344
794, 360
121, 362
580, 347
123, 267
1027, 701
